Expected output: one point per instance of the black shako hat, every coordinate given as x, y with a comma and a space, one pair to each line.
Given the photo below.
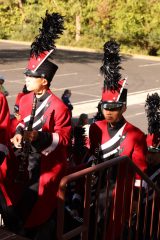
114, 93
41, 63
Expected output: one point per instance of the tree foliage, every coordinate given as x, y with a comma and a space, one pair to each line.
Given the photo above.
134, 23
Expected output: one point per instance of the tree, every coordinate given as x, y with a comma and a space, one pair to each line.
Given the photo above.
133, 23
136, 23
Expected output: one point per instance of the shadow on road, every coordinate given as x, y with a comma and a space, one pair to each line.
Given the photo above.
16, 55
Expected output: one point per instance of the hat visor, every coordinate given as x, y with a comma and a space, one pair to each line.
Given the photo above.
153, 149
112, 105
35, 74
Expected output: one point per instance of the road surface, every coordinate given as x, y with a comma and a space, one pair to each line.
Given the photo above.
79, 71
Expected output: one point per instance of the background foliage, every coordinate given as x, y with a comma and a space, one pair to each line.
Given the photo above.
89, 23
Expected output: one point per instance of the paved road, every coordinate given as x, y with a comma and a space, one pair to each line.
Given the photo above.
79, 71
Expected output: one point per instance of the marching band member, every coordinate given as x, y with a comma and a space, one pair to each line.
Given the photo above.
115, 136
4, 126
43, 134
152, 108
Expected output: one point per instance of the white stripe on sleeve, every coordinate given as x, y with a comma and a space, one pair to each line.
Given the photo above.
53, 146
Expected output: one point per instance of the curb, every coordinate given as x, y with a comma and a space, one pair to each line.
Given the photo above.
15, 42
61, 47
57, 46
147, 57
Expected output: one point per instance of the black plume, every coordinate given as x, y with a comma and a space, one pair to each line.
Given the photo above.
99, 115
52, 27
152, 108
79, 140
111, 65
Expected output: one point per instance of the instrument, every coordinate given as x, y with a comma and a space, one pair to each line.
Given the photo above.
23, 161
97, 154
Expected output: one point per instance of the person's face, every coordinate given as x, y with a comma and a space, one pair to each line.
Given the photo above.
86, 120
69, 94
113, 115
35, 84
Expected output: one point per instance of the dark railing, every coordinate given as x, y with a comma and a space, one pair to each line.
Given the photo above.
129, 211
7, 235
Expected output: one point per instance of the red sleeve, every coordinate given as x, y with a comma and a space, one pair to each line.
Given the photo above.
18, 98
62, 119
60, 127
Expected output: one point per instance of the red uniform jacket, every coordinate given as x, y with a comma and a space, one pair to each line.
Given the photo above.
5, 145
21, 94
4, 124
56, 120
14, 120
129, 141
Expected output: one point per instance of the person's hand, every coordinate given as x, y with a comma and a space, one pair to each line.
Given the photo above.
74, 213
30, 135
17, 140
18, 116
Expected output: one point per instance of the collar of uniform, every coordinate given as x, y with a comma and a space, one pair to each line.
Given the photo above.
43, 97
118, 125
